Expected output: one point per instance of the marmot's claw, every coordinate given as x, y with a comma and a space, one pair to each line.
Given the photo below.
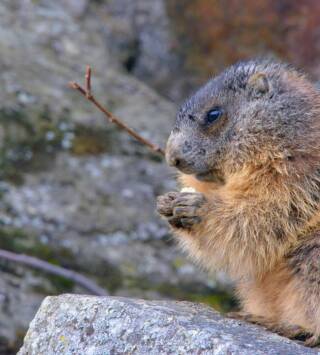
165, 203
185, 211
312, 341
182, 209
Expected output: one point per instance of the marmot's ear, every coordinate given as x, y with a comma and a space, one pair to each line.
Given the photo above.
258, 84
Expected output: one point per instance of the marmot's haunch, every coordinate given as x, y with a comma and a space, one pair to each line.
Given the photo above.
248, 142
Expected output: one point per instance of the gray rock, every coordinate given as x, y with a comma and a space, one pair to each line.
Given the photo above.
58, 47
77, 8
71, 324
140, 35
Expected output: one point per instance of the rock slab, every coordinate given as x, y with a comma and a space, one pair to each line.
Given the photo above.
72, 324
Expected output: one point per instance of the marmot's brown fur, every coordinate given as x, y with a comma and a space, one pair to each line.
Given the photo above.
248, 142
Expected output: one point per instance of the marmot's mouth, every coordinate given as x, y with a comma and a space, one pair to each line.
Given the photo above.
210, 176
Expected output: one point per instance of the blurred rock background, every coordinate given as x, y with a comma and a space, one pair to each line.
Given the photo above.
77, 192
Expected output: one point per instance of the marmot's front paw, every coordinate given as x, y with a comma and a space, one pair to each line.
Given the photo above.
182, 209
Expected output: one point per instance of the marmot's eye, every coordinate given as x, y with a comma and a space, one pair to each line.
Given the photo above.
213, 115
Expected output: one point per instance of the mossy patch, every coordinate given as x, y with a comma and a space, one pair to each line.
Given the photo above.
220, 300
92, 141
18, 241
30, 141
27, 140
57, 285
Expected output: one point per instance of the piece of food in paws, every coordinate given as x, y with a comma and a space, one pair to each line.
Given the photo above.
188, 189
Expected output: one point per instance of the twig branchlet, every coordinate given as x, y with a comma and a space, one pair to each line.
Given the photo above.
88, 94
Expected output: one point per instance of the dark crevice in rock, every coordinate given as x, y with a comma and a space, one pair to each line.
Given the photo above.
131, 61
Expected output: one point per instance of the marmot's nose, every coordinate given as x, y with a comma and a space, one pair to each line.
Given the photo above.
178, 153
176, 160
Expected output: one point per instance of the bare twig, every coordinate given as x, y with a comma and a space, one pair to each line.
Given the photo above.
53, 269
88, 94
88, 83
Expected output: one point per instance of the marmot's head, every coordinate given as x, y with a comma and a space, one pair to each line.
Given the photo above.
255, 112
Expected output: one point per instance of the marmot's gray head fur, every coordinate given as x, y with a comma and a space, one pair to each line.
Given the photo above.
255, 112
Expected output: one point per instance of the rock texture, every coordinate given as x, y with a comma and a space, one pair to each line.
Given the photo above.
71, 324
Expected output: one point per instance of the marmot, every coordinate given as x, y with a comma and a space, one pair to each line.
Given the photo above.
248, 142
